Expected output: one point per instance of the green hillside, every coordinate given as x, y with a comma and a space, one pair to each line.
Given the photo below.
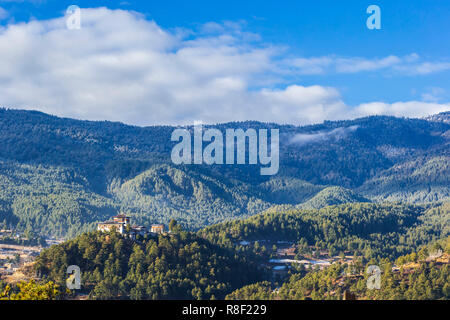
214, 264
191, 197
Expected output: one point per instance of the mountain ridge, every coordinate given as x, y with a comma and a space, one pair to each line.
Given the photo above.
102, 168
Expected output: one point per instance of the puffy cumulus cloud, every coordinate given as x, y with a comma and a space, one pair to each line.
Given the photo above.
405, 65
121, 67
409, 108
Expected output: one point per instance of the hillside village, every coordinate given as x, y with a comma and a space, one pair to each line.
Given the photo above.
286, 258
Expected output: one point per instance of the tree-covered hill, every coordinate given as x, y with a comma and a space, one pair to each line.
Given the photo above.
214, 264
344, 153
441, 117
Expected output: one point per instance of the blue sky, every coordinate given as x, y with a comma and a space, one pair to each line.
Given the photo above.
321, 50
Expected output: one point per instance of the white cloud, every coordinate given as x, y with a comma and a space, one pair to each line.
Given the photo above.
355, 65
122, 67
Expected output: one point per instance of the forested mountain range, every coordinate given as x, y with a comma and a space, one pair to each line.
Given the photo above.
60, 176
179, 266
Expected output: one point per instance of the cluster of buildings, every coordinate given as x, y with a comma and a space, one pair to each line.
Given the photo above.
121, 224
